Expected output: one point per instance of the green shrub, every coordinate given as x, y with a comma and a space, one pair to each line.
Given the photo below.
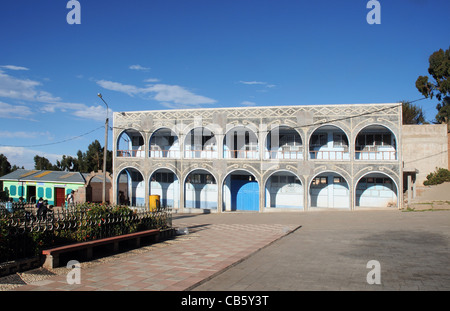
438, 177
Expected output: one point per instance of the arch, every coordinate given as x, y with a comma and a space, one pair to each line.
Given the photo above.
94, 187
164, 143
200, 189
283, 142
131, 187
376, 189
329, 189
165, 183
284, 189
329, 142
132, 145
240, 191
241, 142
375, 141
200, 142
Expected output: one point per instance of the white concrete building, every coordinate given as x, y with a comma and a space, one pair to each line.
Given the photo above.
295, 158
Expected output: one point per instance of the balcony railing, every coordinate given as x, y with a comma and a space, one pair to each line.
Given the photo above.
375, 155
241, 154
285, 155
200, 154
130, 153
156, 153
329, 155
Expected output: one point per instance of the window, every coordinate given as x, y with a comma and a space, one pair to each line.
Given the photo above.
340, 139
338, 180
370, 139
319, 181
201, 179
163, 177
319, 139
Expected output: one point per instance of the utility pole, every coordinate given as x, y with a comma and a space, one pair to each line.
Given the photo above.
105, 150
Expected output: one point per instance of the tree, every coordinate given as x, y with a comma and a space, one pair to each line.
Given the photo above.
411, 114
92, 159
5, 166
439, 69
42, 163
68, 163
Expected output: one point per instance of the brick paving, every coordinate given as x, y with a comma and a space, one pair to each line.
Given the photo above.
324, 250
204, 252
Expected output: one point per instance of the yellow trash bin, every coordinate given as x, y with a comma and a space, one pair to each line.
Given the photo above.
154, 202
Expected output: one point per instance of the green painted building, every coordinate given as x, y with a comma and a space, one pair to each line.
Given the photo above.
52, 186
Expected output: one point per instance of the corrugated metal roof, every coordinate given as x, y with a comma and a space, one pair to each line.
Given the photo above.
45, 176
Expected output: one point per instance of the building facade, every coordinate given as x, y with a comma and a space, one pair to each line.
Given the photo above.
54, 186
295, 158
30, 185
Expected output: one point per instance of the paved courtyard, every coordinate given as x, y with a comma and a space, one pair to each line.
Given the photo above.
323, 250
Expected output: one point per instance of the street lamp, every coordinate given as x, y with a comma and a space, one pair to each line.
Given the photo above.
105, 150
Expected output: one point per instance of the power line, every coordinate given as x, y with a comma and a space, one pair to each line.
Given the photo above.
57, 142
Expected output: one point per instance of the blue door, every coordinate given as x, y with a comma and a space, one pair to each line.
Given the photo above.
244, 195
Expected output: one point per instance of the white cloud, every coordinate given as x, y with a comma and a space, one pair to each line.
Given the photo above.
21, 156
23, 134
178, 95
257, 83
12, 67
151, 80
27, 90
161, 92
119, 87
139, 67
12, 87
14, 111
248, 103
93, 112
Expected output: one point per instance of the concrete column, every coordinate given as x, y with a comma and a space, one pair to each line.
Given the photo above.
219, 196
181, 203
262, 194
409, 188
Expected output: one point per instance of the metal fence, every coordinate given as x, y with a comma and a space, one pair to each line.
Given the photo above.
24, 230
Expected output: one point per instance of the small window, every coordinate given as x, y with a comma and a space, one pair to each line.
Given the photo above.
338, 180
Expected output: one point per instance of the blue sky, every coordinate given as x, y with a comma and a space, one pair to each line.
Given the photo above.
165, 54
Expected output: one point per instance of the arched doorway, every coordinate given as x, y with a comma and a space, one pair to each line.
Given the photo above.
241, 192
200, 190
376, 190
131, 188
164, 182
284, 190
329, 190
